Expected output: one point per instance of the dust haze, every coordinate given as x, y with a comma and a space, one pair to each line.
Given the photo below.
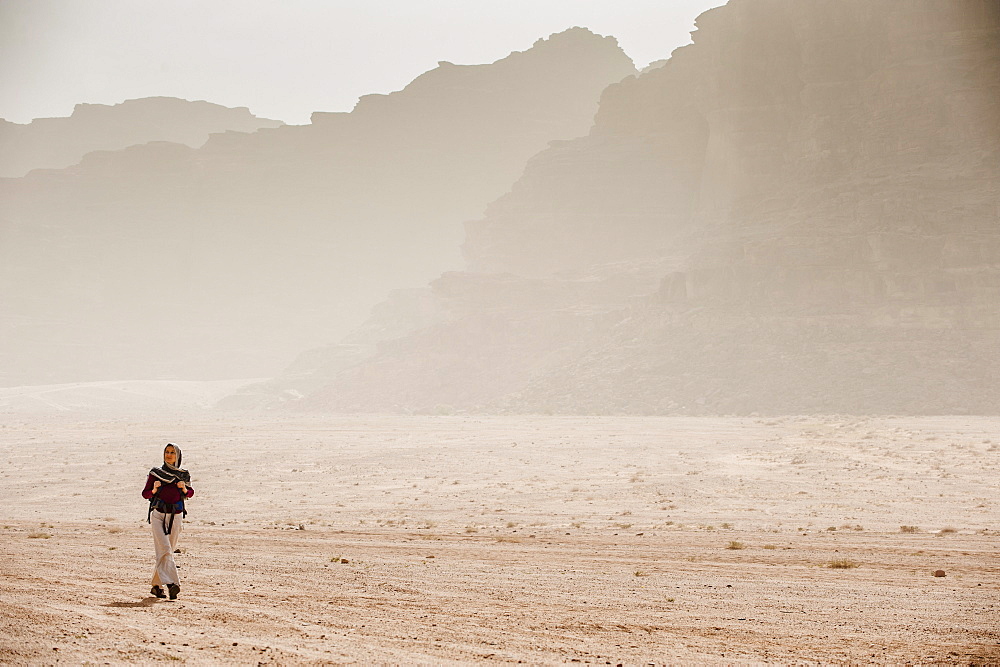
543, 359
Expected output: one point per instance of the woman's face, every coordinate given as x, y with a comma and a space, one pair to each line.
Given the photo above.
170, 455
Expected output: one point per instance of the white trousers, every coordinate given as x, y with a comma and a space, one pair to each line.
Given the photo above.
166, 570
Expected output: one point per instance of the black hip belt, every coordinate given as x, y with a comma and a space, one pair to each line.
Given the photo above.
158, 505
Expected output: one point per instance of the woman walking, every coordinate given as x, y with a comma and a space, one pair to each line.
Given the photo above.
166, 488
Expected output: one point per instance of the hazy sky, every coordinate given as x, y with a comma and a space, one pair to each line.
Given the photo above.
287, 58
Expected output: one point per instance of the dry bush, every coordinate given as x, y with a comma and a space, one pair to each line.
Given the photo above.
909, 529
736, 545
842, 564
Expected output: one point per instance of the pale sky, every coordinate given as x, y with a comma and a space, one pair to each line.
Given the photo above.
285, 59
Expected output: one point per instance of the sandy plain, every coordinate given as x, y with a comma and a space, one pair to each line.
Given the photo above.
438, 540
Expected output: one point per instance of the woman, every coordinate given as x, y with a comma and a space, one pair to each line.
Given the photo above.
166, 489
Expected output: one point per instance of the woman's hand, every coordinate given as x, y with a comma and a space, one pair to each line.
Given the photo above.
182, 486
156, 485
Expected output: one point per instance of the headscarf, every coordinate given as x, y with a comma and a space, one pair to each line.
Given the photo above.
170, 474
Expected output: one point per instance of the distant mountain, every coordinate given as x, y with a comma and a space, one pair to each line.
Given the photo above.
796, 213
114, 399
54, 143
164, 261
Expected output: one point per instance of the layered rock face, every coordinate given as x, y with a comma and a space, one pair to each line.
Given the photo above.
55, 143
164, 261
796, 213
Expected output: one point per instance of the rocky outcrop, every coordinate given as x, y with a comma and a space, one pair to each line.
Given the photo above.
796, 213
227, 260
54, 143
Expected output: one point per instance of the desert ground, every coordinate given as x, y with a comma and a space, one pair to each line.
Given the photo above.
458, 539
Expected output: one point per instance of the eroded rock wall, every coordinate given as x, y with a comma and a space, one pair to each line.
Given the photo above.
227, 260
796, 213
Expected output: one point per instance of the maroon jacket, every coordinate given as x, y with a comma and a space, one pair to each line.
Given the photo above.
168, 493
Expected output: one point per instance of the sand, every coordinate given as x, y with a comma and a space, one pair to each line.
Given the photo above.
611, 540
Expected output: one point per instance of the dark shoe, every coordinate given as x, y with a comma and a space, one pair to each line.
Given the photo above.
174, 590
157, 591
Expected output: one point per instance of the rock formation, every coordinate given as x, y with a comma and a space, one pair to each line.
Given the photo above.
54, 143
796, 213
164, 261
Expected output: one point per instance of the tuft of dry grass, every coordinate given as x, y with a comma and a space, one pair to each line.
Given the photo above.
736, 545
843, 564
39, 536
909, 529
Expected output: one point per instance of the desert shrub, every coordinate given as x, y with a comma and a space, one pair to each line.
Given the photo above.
909, 529
842, 564
736, 545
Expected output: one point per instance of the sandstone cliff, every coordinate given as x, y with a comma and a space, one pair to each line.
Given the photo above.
796, 213
163, 261
54, 143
